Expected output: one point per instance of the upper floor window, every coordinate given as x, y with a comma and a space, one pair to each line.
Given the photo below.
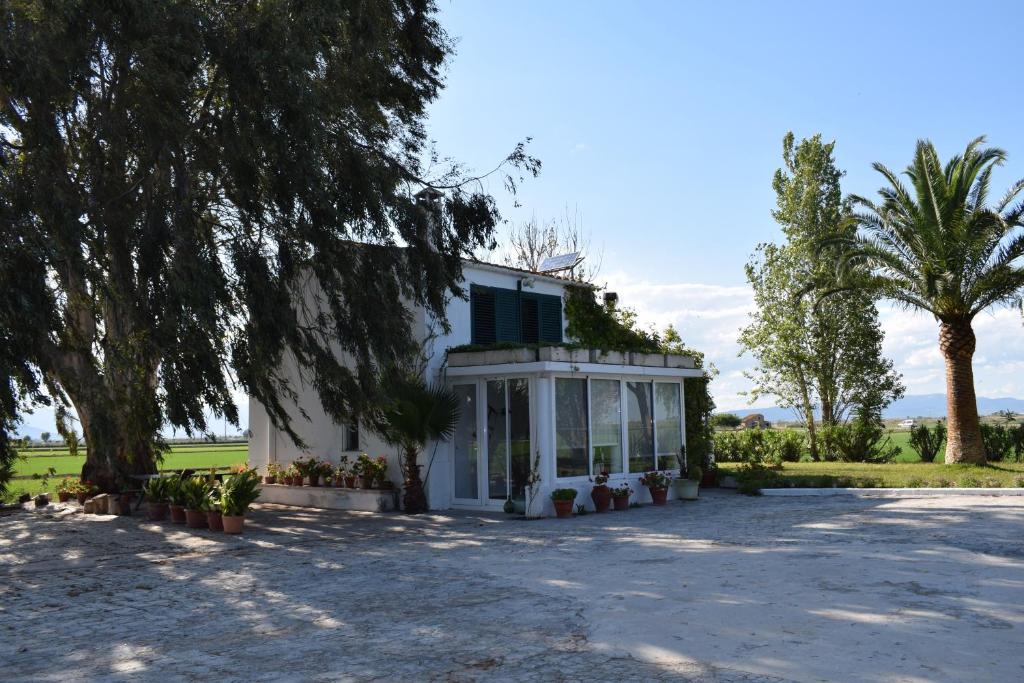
509, 315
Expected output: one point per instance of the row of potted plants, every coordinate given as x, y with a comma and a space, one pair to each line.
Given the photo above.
68, 488
617, 497
370, 473
203, 502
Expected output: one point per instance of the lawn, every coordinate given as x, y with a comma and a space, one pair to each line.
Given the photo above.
181, 456
897, 474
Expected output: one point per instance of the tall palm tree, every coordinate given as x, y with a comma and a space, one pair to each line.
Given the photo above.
939, 246
414, 414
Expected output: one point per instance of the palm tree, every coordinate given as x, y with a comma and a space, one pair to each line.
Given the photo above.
939, 246
414, 414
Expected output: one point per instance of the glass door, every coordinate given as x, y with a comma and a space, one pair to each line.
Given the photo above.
508, 439
465, 448
491, 467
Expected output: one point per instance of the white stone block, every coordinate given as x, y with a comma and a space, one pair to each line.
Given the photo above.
650, 360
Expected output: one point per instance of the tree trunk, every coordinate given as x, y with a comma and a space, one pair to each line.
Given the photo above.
963, 439
112, 452
414, 499
808, 410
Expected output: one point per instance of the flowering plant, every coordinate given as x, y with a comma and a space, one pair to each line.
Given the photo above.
344, 469
601, 479
623, 490
656, 479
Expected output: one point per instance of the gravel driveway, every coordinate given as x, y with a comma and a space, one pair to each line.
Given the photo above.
725, 589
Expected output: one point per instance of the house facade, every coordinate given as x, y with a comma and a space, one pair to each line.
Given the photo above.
562, 414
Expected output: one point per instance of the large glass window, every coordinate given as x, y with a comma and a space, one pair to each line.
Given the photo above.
508, 438
640, 426
668, 424
572, 450
606, 425
465, 443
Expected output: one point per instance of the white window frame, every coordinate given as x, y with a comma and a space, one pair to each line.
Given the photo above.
623, 422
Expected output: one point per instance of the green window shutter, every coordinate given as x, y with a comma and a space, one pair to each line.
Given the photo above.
550, 318
529, 314
506, 315
482, 321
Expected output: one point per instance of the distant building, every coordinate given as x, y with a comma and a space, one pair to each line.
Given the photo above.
754, 421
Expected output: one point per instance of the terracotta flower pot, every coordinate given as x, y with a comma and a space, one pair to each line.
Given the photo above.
602, 497
287, 481
233, 524
178, 514
659, 494
82, 496
314, 480
339, 482
350, 482
63, 496
215, 520
269, 480
563, 508
709, 479
366, 482
157, 512
621, 502
195, 519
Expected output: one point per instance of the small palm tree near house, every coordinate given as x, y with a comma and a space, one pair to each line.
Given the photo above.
414, 414
938, 245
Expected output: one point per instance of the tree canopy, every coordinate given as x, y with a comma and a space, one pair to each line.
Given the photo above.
193, 194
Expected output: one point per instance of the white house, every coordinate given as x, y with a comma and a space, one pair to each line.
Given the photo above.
571, 412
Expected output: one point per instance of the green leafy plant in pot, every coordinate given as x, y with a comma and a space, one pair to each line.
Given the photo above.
194, 491
176, 499
214, 517
156, 493
620, 496
563, 500
688, 487
237, 493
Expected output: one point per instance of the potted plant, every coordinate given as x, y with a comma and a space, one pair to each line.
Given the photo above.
620, 496
194, 491
214, 517
600, 493
345, 470
688, 487
65, 489
339, 477
273, 472
85, 490
175, 500
236, 495
366, 470
563, 500
155, 491
657, 483
290, 475
380, 473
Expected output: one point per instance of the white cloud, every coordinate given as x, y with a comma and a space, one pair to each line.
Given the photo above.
709, 318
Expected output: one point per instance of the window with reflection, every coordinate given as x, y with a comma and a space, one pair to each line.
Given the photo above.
668, 424
572, 451
640, 426
606, 425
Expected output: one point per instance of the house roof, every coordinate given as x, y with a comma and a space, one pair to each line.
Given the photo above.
541, 276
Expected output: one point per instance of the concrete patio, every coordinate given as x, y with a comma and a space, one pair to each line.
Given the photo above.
726, 589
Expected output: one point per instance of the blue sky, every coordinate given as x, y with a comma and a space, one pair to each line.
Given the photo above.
661, 125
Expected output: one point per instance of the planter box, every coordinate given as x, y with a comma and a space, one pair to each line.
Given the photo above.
675, 360
563, 355
649, 360
370, 500
608, 357
498, 357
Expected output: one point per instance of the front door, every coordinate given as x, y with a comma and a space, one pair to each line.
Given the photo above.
491, 465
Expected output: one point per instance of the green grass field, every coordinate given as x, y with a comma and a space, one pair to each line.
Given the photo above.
915, 474
180, 457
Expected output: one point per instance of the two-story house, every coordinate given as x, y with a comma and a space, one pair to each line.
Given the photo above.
566, 413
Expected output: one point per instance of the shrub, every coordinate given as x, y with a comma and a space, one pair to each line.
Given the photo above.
992, 484
998, 441
1018, 482
927, 442
862, 440
764, 446
970, 482
563, 494
915, 483
727, 447
725, 421
942, 483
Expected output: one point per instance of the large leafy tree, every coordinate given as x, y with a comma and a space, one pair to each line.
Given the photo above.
813, 356
938, 245
195, 192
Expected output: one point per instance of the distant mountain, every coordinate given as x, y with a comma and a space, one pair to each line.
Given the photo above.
915, 405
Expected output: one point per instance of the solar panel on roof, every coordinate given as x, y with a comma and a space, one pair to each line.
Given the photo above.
561, 262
